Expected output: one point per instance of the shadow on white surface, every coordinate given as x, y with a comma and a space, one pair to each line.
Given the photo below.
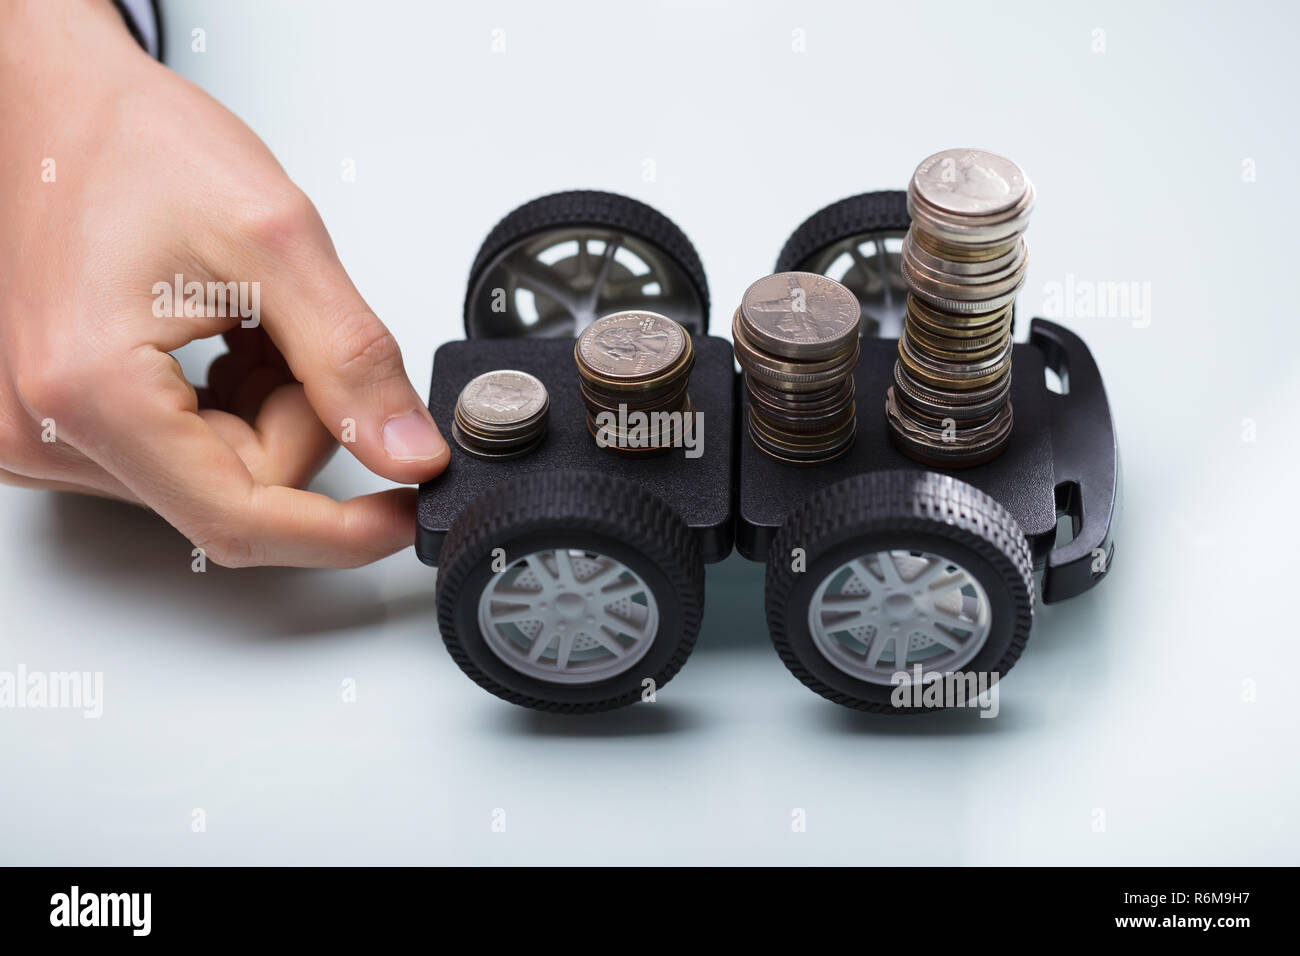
963, 722
638, 720
131, 556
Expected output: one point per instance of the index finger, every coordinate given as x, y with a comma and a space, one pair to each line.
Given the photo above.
158, 446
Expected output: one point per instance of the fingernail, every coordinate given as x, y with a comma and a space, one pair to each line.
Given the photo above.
412, 437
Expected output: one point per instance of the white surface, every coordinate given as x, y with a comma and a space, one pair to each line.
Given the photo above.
222, 690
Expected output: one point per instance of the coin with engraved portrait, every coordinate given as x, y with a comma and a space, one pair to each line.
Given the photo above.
969, 182
629, 346
503, 398
970, 197
501, 414
800, 315
635, 365
795, 336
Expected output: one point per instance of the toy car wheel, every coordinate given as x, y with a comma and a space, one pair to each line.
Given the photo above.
570, 591
858, 242
554, 265
902, 569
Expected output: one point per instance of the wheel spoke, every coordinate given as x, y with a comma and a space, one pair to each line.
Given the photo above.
617, 624
540, 643
953, 619
541, 278
889, 569
515, 595
564, 572
900, 652
607, 641
626, 589
876, 648
611, 246
846, 619
634, 283
564, 650
863, 572
845, 602
937, 569
544, 576
584, 259
956, 582
604, 576
516, 614
863, 263
950, 641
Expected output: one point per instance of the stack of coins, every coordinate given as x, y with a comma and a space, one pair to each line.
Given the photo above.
634, 369
501, 414
964, 261
796, 338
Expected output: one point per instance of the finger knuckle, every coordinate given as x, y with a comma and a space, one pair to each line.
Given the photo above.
362, 347
280, 219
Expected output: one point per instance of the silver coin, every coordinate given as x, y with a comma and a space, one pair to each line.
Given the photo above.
471, 446
503, 398
984, 300
985, 270
948, 447
800, 315
969, 182
955, 286
631, 345
972, 231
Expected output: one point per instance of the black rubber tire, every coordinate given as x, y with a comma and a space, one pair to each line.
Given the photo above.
884, 211
906, 510
574, 509
599, 209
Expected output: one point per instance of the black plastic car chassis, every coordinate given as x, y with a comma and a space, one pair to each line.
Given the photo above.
663, 517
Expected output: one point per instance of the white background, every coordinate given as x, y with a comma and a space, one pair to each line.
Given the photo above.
223, 690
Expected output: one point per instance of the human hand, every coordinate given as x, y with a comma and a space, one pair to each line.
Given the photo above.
116, 175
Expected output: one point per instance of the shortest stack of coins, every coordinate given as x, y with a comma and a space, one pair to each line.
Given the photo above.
634, 369
796, 339
501, 414
964, 261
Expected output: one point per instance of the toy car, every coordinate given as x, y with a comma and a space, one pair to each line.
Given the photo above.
572, 579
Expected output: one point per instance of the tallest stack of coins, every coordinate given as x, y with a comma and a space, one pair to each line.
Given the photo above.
964, 261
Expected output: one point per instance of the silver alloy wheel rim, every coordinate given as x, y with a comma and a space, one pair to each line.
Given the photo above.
568, 616
923, 606
556, 283
870, 265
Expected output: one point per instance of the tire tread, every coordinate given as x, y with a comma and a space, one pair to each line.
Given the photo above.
579, 206
900, 501
573, 500
881, 211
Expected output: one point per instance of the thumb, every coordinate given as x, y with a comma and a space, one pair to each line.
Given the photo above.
348, 361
